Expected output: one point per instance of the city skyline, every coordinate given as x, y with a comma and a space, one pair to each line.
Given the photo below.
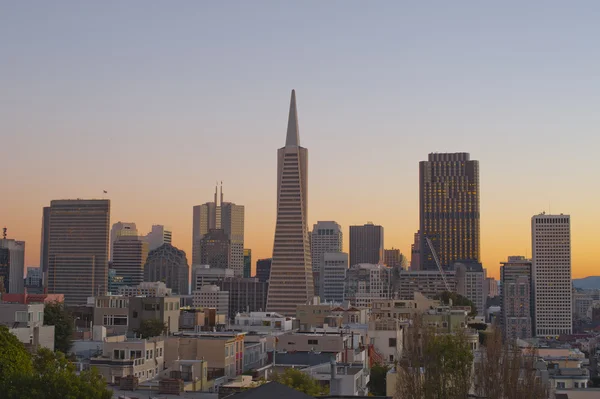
528, 120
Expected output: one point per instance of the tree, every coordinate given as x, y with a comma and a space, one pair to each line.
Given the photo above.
46, 375
505, 371
151, 328
56, 315
300, 381
433, 366
377, 379
15, 362
457, 300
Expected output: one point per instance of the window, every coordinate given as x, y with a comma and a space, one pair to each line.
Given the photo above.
21, 317
392, 342
313, 342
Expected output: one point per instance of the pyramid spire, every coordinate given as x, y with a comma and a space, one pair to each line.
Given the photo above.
293, 132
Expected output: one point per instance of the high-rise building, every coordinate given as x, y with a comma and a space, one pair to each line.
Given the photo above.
492, 287
449, 209
158, 236
551, 249
517, 297
325, 237
129, 257
220, 215
365, 282
471, 283
263, 269
291, 281
215, 249
392, 258
333, 276
78, 249
45, 239
247, 263
121, 229
366, 244
169, 265
12, 265
415, 253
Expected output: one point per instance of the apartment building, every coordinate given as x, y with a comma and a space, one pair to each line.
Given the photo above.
141, 358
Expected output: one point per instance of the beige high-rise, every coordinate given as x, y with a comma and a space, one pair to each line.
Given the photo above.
291, 271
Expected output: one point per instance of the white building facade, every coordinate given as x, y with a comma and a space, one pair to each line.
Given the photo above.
326, 236
365, 282
211, 296
333, 275
551, 250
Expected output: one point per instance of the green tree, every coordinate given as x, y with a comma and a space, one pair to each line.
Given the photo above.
55, 378
457, 300
15, 363
300, 381
151, 328
377, 379
46, 375
56, 315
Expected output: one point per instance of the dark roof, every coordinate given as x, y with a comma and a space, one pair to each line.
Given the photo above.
271, 390
562, 396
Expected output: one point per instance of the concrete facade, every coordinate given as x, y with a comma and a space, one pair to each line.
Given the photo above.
291, 280
211, 296
326, 236
78, 245
551, 250
334, 266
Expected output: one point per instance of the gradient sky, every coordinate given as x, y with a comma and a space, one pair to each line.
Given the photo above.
155, 101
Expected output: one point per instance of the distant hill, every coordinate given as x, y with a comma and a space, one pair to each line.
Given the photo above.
588, 283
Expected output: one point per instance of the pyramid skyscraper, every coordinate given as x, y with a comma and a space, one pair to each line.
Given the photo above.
291, 281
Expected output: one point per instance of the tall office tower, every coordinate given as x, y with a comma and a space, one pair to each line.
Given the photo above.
220, 215
78, 249
158, 236
449, 209
471, 283
492, 287
516, 278
551, 249
392, 258
333, 276
366, 244
325, 237
129, 258
121, 229
169, 265
291, 280
12, 265
415, 253
365, 282
247, 263
45, 239
263, 269
215, 249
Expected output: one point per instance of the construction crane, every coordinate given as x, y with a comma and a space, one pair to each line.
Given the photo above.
437, 262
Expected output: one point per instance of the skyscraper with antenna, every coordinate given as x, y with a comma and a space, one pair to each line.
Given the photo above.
220, 215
